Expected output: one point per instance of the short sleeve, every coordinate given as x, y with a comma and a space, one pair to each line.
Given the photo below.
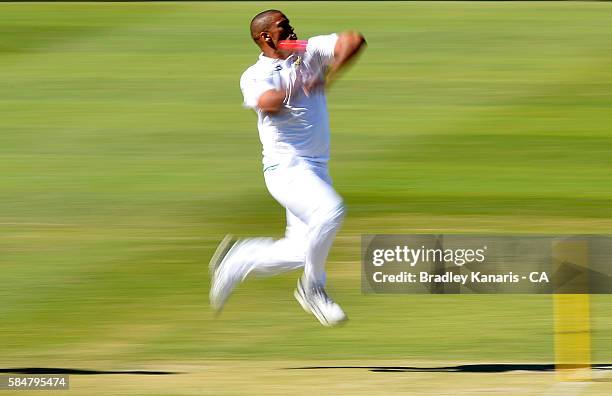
323, 47
253, 86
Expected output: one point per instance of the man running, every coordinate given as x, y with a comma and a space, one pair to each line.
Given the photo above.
286, 88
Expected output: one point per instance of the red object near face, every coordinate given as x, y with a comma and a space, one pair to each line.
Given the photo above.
293, 45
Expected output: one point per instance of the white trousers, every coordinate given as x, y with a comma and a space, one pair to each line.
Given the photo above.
314, 215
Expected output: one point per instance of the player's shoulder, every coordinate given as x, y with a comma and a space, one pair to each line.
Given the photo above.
260, 69
257, 68
252, 69
248, 75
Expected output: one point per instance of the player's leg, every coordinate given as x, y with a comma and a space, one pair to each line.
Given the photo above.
275, 257
259, 256
254, 257
323, 226
306, 191
323, 223
315, 213
296, 229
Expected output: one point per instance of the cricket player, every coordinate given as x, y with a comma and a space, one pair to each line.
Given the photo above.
286, 88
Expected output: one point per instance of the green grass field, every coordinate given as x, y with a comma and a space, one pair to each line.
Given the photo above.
125, 156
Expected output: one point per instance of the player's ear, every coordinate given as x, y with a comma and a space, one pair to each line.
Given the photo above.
265, 37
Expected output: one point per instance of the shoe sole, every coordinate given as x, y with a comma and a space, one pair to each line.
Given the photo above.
308, 309
315, 312
224, 246
300, 299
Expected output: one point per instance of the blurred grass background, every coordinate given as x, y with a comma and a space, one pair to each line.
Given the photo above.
126, 156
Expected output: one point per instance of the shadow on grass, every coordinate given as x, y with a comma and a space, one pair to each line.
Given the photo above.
464, 368
56, 370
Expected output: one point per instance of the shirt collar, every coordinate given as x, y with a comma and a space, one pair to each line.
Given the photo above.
267, 59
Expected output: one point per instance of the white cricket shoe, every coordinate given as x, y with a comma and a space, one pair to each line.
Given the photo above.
223, 278
315, 300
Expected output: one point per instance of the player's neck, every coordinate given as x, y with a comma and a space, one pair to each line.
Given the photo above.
271, 53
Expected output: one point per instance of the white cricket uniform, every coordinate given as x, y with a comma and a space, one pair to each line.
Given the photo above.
295, 153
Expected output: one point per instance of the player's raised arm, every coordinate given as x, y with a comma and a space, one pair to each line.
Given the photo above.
347, 46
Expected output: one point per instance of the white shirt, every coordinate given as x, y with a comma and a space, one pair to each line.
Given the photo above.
301, 127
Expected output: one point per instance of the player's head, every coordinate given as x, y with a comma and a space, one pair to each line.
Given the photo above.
268, 28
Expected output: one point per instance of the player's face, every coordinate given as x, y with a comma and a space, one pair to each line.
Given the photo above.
281, 29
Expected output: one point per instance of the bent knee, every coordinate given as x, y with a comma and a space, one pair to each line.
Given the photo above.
338, 212
331, 215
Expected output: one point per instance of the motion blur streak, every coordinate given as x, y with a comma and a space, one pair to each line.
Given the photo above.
125, 157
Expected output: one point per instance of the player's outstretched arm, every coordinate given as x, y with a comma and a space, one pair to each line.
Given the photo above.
348, 45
